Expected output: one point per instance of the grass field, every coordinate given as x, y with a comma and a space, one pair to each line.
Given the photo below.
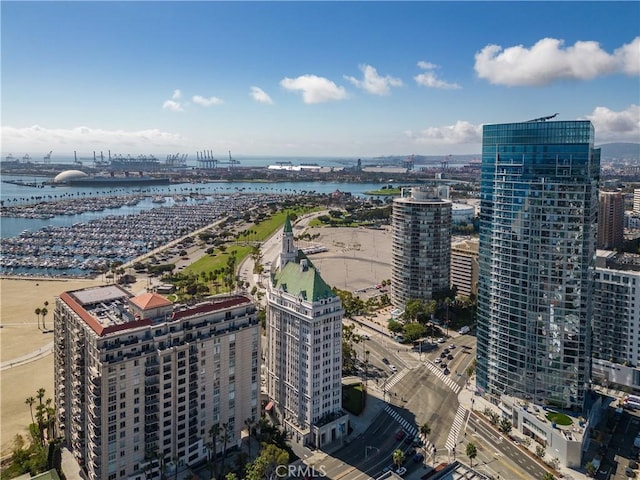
256, 233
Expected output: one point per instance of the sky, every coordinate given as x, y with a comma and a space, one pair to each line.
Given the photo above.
309, 79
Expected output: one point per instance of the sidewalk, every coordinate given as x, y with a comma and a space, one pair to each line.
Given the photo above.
29, 357
477, 404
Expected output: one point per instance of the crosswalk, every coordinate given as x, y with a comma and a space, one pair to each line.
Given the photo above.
404, 423
411, 430
452, 439
396, 378
448, 381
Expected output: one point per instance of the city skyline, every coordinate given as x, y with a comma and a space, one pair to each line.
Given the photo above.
310, 78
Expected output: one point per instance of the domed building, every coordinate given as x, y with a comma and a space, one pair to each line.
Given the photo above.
69, 175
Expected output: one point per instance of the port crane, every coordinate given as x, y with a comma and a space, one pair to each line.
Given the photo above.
177, 159
207, 160
47, 157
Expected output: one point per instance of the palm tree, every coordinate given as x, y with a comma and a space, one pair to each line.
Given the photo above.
250, 423
224, 437
214, 431
44, 312
38, 312
398, 457
30, 401
472, 452
425, 429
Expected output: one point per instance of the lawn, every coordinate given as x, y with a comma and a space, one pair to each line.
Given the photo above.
559, 418
259, 232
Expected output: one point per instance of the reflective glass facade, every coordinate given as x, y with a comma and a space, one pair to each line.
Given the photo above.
539, 200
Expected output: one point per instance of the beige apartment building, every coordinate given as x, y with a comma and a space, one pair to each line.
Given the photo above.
464, 266
139, 381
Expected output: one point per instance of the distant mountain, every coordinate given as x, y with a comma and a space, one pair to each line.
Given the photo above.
620, 151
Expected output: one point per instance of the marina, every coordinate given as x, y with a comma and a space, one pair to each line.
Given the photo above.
76, 232
85, 248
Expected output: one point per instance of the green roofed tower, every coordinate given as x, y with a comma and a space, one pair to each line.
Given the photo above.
304, 349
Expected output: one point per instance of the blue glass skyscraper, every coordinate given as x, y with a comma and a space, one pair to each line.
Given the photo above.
539, 202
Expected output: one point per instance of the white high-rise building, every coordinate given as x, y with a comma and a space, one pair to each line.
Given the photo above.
616, 320
139, 381
636, 200
421, 249
304, 350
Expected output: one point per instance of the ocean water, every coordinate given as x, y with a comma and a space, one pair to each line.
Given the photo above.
11, 194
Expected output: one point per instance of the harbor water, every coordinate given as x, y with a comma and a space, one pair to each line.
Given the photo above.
74, 231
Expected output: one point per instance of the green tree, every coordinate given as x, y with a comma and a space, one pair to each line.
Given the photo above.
425, 429
505, 426
225, 436
414, 331
590, 468
30, 401
540, 451
38, 312
472, 452
548, 476
398, 457
395, 326
264, 466
250, 423
412, 309
212, 444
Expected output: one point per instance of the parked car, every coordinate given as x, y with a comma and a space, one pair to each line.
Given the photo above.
385, 361
452, 346
441, 340
437, 360
393, 368
408, 440
450, 357
418, 457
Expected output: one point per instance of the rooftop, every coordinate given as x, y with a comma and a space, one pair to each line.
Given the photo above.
302, 280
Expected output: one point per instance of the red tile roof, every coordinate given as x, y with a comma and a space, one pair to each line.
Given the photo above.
148, 301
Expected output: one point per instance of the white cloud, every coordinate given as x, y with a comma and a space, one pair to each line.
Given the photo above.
206, 102
176, 94
260, 96
629, 56
462, 132
173, 106
85, 138
314, 89
549, 61
374, 83
430, 79
613, 126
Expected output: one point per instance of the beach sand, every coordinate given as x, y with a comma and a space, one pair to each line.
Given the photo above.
357, 258
20, 336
